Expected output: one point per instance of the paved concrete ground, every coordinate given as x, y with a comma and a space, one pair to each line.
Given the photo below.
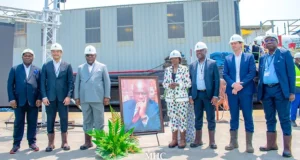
149, 144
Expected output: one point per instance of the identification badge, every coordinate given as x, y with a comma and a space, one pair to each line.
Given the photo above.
267, 73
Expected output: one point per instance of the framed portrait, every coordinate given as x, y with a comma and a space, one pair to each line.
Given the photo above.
140, 104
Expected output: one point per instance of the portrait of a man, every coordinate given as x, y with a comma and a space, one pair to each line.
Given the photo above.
141, 110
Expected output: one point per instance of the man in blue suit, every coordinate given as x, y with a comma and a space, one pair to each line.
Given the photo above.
57, 89
239, 72
204, 93
141, 113
25, 98
276, 89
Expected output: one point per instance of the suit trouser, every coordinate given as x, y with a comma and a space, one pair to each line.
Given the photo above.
294, 107
51, 115
274, 100
32, 116
243, 102
201, 103
93, 116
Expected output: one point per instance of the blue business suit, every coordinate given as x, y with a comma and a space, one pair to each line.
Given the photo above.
56, 89
202, 100
152, 112
25, 91
276, 98
243, 99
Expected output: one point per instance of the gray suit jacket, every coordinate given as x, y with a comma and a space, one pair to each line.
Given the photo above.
211, 78
94, 86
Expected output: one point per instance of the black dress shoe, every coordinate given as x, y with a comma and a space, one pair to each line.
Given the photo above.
14, 149
34, 147
195, 145
286, 154
213, 146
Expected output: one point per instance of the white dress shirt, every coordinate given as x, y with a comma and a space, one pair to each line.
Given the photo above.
27, 70
200, 76
238, 67
56, 66
90, 67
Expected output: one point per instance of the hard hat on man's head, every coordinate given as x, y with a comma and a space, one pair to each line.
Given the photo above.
236, 38
56, 47
90, 50
297, 55
175, 54
271, 35
200, 46
28, 51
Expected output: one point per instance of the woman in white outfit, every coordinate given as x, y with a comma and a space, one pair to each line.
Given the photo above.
176, 83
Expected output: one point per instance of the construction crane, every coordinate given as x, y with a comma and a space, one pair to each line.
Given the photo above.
49, 18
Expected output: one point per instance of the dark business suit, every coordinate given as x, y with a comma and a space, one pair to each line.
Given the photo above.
152, 112
243, 99
276, 98
202, 99
56, 89
25, 91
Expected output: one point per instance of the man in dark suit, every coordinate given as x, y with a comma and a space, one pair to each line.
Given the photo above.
276, 89
239, 72
204, 93
25, 98
141, 113
57, 88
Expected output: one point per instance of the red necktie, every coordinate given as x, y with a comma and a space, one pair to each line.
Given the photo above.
136, 117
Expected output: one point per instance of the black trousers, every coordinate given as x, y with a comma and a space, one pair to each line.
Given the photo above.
203, 103
57, 106
31, 113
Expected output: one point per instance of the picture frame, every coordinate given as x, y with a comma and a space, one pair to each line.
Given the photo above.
140, 94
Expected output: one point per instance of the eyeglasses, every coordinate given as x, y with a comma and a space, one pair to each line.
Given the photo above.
270, 40
89, 55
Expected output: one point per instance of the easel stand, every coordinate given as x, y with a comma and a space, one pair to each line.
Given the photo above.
148, 133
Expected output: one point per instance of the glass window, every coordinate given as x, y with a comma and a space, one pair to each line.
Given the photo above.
211, 19
175, 15
20, 38
125, 24
92, 26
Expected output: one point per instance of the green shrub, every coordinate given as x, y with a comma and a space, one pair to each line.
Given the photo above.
116, 143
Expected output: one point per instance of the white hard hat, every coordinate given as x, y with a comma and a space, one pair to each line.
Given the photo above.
56, 47
297, 55
200, 45
90, 50
271, 35
175, 54
28, 51
236, 38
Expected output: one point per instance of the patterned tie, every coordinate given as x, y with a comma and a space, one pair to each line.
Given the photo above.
136, 117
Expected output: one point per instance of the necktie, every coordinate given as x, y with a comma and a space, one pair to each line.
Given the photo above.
136, 117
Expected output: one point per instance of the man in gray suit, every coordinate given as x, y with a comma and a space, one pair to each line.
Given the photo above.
204, 93
92, 92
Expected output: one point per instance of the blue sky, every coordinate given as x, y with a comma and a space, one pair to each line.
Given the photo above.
251, 11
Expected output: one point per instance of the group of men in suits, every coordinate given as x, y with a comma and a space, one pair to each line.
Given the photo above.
276, 90
28, 87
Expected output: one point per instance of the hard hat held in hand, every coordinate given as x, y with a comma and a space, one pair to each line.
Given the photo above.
236, 38
175, 54
56, 47
28, 51
297, 55
90, 50
200, 46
